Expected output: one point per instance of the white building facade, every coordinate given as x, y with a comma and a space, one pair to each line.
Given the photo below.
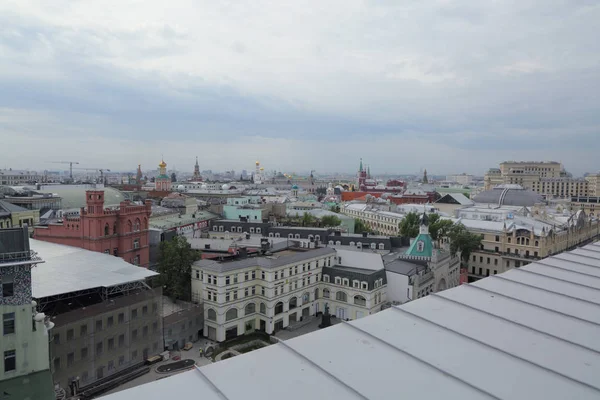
272, 293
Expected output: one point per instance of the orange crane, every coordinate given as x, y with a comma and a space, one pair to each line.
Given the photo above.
66, 162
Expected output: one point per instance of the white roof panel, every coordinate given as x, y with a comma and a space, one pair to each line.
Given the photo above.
69, 269
529, 333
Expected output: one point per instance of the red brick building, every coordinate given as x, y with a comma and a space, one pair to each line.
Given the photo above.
122, 232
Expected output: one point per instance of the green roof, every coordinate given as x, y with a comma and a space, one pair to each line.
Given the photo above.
422, 246
163, 177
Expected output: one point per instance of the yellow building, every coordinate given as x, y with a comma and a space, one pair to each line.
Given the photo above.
514, 237
547, 178
13, 216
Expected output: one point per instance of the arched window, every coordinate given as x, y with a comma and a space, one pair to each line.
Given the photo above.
137, 225
211, 315
297, 236
145, 223
330, 242
293, 303
381, 246
106, 230
277, 234
373, 245
115, 228
420, 246
232, 313
129, 226
326, 293
338, 243
250, 309
215, 228
263, 308
291, 236
316, 293
305, 298
270, 234
341, 296
352, 243
360, 301
278, 308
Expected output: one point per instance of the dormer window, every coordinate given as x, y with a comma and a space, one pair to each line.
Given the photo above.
420, 246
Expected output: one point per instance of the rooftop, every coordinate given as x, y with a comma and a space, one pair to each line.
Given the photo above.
529, 333
73, 196
69, 269
277, 260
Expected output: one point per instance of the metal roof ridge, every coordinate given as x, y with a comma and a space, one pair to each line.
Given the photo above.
556, 279
576, 262
314, 364
533, 304
593, 251
214, 387
438, 296
420, 360
543, 289
398, 309
566, 269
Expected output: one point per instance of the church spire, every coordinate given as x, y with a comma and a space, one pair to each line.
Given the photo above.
368, 172
425, 180
360, 169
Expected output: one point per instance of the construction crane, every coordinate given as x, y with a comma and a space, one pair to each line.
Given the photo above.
66, 162
101, 170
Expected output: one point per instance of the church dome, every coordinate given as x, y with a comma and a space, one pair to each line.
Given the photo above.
257, 163
181, 187
203, 186
162, 164
225, 187
509, 195
295, 187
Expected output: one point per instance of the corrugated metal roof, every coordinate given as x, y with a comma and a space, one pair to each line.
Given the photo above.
68, 269
530, 333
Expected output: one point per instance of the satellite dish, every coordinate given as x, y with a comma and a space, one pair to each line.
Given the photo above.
33, 303
39, 317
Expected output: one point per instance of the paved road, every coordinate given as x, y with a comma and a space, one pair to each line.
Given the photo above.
153, 375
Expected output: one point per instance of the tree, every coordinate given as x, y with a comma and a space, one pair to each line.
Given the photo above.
175, 267
360, 226
409, 226
335, 209
307, 219
331, 220
439, 228
173, 177
464, 241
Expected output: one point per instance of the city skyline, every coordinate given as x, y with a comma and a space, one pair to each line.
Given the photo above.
455, 87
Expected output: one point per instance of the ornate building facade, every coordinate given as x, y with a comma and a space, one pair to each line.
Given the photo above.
122, 232
162, 182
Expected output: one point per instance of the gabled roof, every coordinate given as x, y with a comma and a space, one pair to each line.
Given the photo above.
10, 208
455, 198
529, 333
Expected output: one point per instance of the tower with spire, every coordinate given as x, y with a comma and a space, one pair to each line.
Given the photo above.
197, 176
138, 175
162, 182
362, 176
425, 180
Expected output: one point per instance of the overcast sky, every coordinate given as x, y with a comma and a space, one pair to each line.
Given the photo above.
451, 86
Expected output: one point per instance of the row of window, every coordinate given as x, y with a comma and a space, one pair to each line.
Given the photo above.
346, 282
359, 245
136, 226
110, 321
110, 365
236, 229
111, 345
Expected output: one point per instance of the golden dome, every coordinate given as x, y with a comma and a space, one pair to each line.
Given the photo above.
162, 164
262, 169
257, 163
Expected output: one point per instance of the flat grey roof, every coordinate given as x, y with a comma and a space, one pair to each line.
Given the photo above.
529, 333
69, 269
263, 262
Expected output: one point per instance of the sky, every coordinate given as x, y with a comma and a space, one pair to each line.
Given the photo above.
450, 86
